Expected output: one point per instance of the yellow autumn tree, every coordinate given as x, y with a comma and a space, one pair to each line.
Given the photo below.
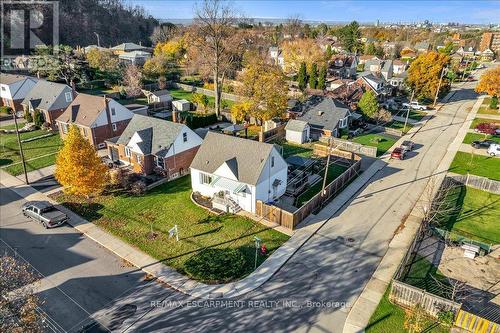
424, 74
298, 51
490, 82
174, 48
78, 168
239, 111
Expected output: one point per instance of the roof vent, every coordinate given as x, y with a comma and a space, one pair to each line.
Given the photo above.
207, 162
320, 113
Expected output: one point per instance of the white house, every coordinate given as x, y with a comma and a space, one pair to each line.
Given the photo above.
137, 58
181, 105
14, 88
297, 131
159, 96
277, 56
236, 172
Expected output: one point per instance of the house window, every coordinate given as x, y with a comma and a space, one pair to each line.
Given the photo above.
84, 130
138, 158
3, 88
159, 162
69, 96
127, 151
184, 137
113, 112
343, 123
205, 179
114, 127
272, 161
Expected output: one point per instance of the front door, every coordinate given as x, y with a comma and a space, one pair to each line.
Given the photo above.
114, 154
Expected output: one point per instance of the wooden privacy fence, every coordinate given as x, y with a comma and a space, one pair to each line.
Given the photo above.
474, 323
355, 147
208, 92
408, 296
275, 133
290, 220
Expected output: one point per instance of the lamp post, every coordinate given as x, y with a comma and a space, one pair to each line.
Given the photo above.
443, 71
257, 246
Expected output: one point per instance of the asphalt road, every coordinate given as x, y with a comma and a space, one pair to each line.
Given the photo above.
79, 276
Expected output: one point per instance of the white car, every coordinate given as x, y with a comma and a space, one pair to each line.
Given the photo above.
415, 106
494, 149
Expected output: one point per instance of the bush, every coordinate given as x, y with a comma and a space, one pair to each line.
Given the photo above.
115, 177
216, 265
38, 118
138, 188
28, 116
5, 109
494, 103
194, 120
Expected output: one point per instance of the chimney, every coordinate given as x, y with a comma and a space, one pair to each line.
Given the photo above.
174, 116
108, 114
73, 89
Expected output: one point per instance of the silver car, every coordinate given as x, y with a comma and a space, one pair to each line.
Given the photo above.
44, 212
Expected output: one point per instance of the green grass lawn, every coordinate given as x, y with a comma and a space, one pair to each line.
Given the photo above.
478, 121
470, 137
183, 94
382, 142
132, 217
485, 166
20, 124
400, 126
34, 151
485, 108
389, 318
422, 274
290, 149
414, 114
475, 215
139, 100
334, 170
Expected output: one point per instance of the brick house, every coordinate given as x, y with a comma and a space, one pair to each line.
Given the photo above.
50, 98
14, 88
98, 118
148, 143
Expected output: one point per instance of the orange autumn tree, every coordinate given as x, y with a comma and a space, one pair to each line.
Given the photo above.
78, 168
424, 74
490, 82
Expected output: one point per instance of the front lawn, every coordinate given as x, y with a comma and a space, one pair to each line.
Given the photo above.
133, 217
475, 214
334, 170
471, 137
38, 153
382, 142
479, 165
290, 149
399, 126
390, 318
187, 95
424, 275
478, 121
485, 108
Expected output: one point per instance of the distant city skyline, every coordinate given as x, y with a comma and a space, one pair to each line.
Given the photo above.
478, 12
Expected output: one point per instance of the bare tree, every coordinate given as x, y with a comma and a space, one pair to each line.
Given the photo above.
213, 38
163, 33
436, 204
293, 25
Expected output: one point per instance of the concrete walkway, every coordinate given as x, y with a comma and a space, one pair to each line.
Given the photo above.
488, 116
403, 119
360, 314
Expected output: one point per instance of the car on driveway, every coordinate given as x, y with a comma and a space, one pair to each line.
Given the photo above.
44, 212
399, 153
485, 144
415, 106
494, 149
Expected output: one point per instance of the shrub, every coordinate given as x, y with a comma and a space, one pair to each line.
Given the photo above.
115, 177
216, 265
4, 109
138, 188
494, 103
28, 116
38, 118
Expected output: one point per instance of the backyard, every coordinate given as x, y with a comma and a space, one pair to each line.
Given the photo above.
145, 221
479, 165
334, 170
187, 95
38, 153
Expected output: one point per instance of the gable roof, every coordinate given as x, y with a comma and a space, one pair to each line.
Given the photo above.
128, 47
9, 79
48, 96
323, 112
246, 158
157, 134
386, 65
84, 110
296, 125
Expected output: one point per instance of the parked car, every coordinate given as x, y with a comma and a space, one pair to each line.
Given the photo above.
478, 144
398, 153
415, 106
44, 212
494, 149
487, 128
407, 145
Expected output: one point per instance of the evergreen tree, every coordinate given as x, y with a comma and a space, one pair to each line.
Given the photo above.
313, 76
302, 77
322, 78
38, 118
28, 116
328, 52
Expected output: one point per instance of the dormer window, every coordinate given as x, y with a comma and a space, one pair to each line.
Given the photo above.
69, 96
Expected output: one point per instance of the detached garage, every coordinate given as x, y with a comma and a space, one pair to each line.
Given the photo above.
297, 131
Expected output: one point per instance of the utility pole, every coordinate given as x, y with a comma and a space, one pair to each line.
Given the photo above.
408, 111
439, 86
330, 146
20, 148
465, 70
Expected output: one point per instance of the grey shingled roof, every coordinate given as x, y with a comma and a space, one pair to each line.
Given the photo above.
128, 47
157, 134
48, 96
245, 157
323, 112
8, 79
295, 125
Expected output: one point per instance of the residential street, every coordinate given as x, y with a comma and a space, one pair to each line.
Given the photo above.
81, 278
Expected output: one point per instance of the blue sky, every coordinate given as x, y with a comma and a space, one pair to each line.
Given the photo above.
362, 11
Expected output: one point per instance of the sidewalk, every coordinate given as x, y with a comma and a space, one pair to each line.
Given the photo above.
403, 119
182, 283
36, 175
362, 310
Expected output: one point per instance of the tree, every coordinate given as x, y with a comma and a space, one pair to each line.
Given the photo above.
490, 82
201, 101
415, 319
19, 303
132, 79
494, 103
322, 78
239, 111
368, 104
78, 167
424, 74
213, 38
349, 36
297, 51
265, 89
105, 62
382, 116
163, 33
38, 118
159, 66
302, 77
313, 76
448, 49
174, 49
28, 116
328, 52
370, 49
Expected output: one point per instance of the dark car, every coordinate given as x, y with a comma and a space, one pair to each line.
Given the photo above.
398, 153
44, 212
482, 144
407, 145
